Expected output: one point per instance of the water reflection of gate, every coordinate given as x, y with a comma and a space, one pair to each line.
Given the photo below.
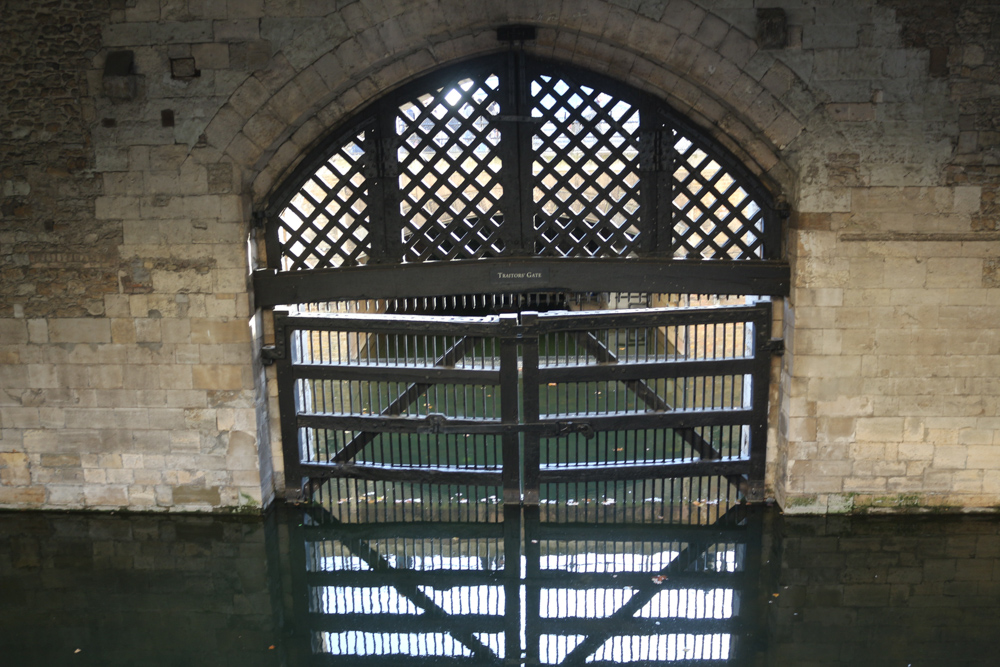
561, 594
529, 408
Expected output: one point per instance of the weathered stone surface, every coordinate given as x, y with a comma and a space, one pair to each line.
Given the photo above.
123, 266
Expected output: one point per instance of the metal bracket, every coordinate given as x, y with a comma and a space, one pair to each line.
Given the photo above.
516, 33
783, 208
258, 219
271, 353
754, 491
435, 423
583, 428
775, 346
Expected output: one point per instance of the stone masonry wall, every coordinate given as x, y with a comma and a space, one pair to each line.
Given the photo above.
891, 391
128, 338
126, 376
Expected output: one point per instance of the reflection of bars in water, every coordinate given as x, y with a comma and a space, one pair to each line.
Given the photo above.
571, 599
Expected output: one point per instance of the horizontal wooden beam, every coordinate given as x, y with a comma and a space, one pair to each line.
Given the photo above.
538, 274
396, 373
609, 472
645, 370
422, 475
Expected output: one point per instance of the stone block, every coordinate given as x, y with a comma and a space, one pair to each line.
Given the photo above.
123, 331
954, 273
215, 376
193, 495
147, 330
14, 469
67, 496
950, 457
166, 418
140, 377
106, 496
80, 330
879, 429
905, 273
105, 376
827, 366
38, 331
182, 281
230, 280
209, 332
237, 30
13, 332
250, 9
249, 56
22, 496
210, 56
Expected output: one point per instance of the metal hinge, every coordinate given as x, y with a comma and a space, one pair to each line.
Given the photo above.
258, 219
436, 423
754, 491
775, 346
782, 208
270, 353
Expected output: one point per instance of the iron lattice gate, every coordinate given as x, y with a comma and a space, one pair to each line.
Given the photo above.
526, 403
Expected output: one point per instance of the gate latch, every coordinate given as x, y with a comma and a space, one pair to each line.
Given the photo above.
583, 428
435, 422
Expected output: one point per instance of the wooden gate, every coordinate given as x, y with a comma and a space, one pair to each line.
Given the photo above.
524, 406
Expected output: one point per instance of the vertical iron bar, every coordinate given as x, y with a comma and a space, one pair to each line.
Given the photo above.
287, 409
530, 402
509, 409
532, 586
759, 384
513, 613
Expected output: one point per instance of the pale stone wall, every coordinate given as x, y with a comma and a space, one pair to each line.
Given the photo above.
128, 338
890, 393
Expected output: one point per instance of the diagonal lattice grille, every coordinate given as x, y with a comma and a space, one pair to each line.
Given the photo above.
326, 223
451, 196
715, 217
489, 163
586, 170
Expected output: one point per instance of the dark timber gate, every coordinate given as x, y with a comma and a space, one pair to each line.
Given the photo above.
514, 175
525, 403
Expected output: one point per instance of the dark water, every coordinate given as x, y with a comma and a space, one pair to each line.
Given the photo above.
299, 588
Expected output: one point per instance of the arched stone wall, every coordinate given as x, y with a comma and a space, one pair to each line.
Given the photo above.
699, 63
702, 65
127, 203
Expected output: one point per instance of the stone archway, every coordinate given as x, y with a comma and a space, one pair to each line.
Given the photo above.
707, 68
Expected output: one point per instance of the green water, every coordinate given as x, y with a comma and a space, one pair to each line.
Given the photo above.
722, 588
